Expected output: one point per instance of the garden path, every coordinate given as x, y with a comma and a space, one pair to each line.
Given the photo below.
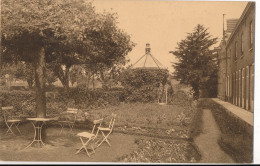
207, 141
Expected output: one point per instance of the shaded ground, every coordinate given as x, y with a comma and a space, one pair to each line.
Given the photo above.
125, 148
236, 137
62, 148
207, 141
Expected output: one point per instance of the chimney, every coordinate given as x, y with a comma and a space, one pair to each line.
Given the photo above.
147, 49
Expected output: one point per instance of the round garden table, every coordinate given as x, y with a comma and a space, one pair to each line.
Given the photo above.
37, 125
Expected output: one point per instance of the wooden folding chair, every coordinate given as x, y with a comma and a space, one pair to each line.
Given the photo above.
89, 137
108, 130
9, 120
69, 119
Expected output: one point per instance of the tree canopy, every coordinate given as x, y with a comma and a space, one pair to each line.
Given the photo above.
61, 33
196, 61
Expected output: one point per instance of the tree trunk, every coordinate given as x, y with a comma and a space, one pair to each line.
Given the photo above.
103, 81
40, 84
93, 81
88, 80
64, 76
30, 82
196, 93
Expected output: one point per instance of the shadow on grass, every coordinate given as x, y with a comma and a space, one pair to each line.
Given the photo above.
236, 136
196, 124
196, 129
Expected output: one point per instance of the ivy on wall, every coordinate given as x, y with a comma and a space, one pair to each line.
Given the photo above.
142, 84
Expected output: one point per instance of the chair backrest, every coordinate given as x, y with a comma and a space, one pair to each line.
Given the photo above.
112, 121
6, 113
73, 111
96, 122
7, 108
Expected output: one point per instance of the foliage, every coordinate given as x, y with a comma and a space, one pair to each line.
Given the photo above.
142, 85
76, 73
32, 30
24, 71
57, 102
196, 62
110, 45
150, 115
161, 151
59, 32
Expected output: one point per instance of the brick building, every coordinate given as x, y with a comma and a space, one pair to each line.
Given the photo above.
236, 60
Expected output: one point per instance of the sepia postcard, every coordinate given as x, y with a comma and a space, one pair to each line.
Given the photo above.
128, 82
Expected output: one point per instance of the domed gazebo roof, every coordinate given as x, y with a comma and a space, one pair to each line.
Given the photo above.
148, 61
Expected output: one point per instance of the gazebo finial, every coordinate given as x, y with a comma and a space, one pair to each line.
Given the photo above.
147, 49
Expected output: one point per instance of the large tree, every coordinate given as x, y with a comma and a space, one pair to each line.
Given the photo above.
109, 46
60, 33
103, 46
32, 29
196, 60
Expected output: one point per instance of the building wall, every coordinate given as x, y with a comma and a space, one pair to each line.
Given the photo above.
239, 79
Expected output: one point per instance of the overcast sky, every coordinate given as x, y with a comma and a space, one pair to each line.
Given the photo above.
164, 23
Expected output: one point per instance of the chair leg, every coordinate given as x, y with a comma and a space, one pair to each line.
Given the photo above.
104, 139
16, 125
61, 128
84, 146
71, 126
9, 128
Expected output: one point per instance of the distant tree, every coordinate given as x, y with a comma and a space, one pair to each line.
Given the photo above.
196, 60
76, 73
24, 71
104, 45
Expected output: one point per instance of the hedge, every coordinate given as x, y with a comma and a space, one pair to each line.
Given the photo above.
143, 84
57, 102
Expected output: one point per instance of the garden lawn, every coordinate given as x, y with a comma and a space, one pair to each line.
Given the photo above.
150, 115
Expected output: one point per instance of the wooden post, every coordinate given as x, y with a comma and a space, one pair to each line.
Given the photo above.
166, 94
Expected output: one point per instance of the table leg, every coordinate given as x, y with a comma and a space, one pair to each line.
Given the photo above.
37, 134
40, 134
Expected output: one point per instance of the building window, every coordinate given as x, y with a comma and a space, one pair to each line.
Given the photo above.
242, 44
235, 50
251, 34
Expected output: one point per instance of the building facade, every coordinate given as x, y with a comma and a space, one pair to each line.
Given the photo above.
236, 61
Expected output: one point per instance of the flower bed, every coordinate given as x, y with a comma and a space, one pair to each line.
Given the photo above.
162, 151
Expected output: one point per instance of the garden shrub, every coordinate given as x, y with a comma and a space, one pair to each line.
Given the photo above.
85, 98
142, 85
57, 102
22, 101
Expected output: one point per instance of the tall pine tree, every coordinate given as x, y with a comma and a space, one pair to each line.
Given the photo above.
197, 64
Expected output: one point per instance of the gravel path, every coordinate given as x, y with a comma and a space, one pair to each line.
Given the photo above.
207, 141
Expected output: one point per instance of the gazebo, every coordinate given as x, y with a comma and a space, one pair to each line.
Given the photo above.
149, 62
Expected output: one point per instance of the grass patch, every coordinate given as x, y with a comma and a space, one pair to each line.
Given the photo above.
236, 136
146, 115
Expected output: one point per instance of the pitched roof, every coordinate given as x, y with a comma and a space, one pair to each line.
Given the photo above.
231, 24
148, 61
